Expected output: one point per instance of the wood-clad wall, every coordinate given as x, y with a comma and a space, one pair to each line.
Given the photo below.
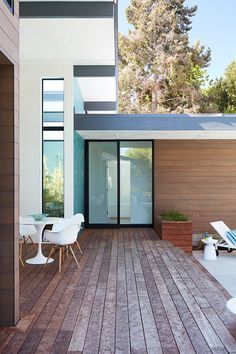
9, 165
197, 177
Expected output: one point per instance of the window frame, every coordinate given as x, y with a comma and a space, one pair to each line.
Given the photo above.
51, 128
86, 188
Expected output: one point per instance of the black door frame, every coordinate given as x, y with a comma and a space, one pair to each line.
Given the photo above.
86, 185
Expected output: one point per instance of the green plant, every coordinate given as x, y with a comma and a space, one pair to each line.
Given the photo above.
53, 190
173, 215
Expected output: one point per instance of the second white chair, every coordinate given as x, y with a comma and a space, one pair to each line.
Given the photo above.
63, 234
76, 219
25, 233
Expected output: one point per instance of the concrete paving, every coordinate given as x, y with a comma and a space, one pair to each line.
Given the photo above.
223, 269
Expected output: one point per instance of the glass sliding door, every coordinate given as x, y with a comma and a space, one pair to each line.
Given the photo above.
102, 182
135, 182
120, 183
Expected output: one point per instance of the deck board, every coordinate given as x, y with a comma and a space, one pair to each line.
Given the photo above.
133, 294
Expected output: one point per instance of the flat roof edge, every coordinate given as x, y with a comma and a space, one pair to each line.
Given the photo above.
153, 122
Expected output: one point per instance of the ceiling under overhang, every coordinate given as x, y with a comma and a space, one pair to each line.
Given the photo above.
155, 135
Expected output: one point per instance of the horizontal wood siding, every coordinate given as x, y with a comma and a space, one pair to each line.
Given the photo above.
197, 177
9, 32
9, 162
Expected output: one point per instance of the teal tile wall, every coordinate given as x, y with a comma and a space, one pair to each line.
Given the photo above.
78, 155
78, 174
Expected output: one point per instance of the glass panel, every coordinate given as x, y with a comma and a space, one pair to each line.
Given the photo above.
53, 179
102, 182
53, 135
53, 117
136, 182
53, 101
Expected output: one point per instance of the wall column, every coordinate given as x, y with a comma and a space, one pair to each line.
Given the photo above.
9, 171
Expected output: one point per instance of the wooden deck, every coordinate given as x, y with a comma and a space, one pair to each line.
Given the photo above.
133, 294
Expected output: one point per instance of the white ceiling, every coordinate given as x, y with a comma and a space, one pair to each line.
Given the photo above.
97, 88
152, 134
79, 41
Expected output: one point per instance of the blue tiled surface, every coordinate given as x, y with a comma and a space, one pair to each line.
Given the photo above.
78, 174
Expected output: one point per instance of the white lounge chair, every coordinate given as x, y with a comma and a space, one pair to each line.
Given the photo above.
225, 242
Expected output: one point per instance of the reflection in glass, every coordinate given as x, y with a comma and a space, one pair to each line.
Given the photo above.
102, 182
53, 101
136, 182
53, 180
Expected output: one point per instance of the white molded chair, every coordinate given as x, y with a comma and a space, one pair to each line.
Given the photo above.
63, 234
77, 219
222, 230
231, 305
25, 233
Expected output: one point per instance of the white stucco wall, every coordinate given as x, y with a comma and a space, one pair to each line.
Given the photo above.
31, 75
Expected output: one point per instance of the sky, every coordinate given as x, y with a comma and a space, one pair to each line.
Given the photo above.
213, 24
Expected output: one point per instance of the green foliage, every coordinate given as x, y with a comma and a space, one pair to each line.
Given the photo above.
220, 96
144, 154
159, 71
53, 190
173, 215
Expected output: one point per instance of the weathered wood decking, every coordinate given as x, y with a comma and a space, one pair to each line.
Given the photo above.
133, 294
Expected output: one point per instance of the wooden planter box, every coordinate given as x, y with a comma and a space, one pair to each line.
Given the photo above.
179, 233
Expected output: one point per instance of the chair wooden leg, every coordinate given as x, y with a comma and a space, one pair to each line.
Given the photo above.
20, 255
50, 253
77, 242
67, 251
22, 263
60, 256
30, 238
63, 254
72, 252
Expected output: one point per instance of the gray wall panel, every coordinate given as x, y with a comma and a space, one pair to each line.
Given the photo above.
99, 106
94, 70
58, 9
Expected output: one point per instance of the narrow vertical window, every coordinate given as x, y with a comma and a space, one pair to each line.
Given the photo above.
53, 147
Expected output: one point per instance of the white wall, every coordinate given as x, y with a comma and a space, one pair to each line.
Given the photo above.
31, 75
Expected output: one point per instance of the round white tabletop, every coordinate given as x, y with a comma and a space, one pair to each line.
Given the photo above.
209, 249
39, 225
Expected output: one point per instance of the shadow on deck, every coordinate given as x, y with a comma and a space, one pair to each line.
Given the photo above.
133, 294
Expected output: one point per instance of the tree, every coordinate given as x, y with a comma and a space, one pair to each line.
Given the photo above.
144, 154
220, 96
53, 189
158, 69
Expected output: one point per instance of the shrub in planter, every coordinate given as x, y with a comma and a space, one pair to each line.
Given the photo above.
175, 227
